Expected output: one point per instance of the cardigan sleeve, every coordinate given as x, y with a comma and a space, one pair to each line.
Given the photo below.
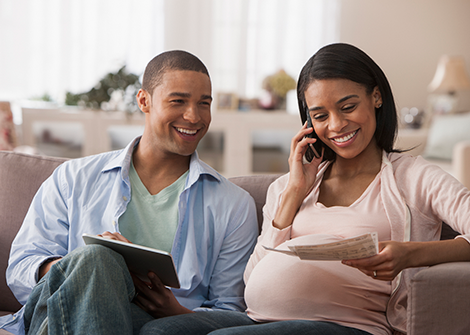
434, 195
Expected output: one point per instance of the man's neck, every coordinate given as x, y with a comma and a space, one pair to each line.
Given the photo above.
156, 172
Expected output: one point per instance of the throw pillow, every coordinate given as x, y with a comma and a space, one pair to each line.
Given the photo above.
445, 132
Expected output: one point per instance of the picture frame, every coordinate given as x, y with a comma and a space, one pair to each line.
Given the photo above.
227, 101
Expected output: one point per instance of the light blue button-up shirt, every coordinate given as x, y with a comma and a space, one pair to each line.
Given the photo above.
216, 232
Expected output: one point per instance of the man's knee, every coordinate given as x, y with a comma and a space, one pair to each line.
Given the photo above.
91, 261
94, 255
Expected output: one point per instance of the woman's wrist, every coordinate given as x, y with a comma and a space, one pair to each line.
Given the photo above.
435, 252
288, 208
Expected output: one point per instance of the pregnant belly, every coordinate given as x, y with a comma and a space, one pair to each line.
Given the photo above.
283, 287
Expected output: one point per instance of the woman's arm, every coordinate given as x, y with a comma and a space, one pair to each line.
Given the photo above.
301, 179
394, 257
285, 198
433, 197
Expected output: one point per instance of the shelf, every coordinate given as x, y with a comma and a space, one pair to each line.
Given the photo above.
100, 131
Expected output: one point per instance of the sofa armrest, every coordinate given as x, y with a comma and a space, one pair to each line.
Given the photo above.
461, 162
439, 300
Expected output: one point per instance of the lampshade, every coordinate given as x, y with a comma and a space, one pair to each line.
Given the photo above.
450, 76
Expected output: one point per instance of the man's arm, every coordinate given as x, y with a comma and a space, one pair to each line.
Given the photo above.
226, 288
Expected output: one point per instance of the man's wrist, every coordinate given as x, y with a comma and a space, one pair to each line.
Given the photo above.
46, 266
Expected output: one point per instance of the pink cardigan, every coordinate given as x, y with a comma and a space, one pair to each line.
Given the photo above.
417, 195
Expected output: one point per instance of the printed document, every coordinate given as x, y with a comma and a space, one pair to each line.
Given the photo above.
361, 246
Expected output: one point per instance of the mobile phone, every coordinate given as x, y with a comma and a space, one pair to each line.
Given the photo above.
315, 149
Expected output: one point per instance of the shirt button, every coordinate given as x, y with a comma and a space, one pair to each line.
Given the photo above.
124, 198
114, 223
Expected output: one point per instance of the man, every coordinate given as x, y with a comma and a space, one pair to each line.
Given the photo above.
155, 192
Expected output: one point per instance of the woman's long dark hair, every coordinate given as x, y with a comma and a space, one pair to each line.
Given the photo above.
344, 61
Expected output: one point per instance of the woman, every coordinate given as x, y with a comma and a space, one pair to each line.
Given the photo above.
359, 184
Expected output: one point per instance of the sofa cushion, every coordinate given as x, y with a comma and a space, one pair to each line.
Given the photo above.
445, 132
20, 177
257, 186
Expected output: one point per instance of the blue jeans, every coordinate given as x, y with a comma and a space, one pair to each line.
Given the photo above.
89, 291
237, 323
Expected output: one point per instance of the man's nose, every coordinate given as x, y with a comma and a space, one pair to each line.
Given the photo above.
192, 114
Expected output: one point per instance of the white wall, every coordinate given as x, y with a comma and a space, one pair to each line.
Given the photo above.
406, 38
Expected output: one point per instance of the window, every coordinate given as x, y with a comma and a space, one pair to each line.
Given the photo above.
252, 39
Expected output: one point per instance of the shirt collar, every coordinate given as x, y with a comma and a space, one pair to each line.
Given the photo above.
123, 159
198, 168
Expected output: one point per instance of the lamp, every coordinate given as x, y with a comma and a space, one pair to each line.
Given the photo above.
450, 77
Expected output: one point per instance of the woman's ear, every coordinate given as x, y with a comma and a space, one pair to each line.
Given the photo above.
377, 97
144, 100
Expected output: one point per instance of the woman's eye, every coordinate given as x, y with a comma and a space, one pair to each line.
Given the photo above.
319, 116
349, 107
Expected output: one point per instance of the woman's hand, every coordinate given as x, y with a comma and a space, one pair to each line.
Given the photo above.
393, 257
156, 299
387, 264
301, 178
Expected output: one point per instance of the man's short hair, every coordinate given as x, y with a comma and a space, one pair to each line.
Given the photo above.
176, 60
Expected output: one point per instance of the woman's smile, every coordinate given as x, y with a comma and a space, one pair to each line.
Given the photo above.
345, 139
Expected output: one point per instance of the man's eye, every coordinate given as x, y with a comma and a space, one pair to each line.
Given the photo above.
206, 103
178, 101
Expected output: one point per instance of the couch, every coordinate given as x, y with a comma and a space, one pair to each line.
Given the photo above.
439, 298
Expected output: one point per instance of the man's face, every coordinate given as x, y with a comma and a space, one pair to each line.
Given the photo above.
178, 113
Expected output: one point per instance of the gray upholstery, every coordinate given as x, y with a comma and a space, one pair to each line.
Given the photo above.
439, 297
20, 177
257, 186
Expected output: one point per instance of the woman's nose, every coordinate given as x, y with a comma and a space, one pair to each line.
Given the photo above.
337, 122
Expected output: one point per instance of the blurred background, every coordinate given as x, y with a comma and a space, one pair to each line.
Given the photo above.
69, 69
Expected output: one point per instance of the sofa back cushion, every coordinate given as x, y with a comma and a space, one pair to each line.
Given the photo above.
20, 177
257, 186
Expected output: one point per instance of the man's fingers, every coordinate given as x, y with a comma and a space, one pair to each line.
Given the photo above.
114, 236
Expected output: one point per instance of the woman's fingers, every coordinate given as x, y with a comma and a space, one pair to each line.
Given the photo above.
386, 265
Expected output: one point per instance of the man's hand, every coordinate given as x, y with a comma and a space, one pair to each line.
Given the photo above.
114, 236
156, 299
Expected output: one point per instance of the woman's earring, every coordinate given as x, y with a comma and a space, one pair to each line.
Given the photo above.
380, 105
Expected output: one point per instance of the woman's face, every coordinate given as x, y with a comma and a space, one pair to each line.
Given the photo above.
343, 115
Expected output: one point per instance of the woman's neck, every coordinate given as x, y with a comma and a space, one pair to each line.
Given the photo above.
367, 162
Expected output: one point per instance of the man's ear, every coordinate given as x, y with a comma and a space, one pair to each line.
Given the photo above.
144, 100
